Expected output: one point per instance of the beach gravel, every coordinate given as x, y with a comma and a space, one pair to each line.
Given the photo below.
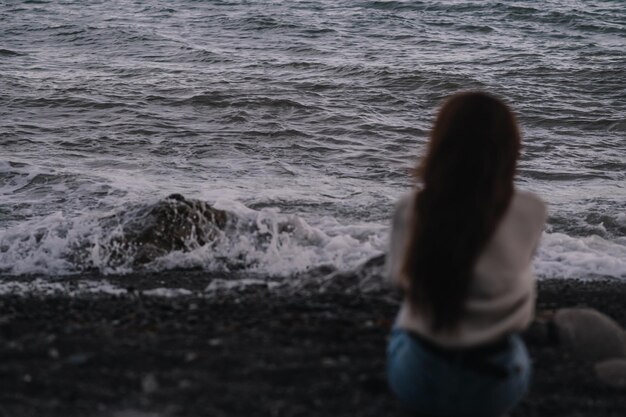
252, 352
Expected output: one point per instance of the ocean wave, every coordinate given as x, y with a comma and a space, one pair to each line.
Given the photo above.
178, 233
261, 22
66, 101
556, 175
392, 5
9, 52
229, 100
21, 182
599, 222
228, 237
17, 176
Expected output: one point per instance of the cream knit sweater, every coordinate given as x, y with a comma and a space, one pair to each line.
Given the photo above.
502, 294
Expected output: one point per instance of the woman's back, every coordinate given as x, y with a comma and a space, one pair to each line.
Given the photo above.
501, 294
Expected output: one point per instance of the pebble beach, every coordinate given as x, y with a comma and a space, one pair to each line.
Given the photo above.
249, 351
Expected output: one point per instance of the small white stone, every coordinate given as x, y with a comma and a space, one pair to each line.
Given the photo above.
149, 384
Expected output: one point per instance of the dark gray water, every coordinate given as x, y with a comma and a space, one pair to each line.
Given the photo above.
302, 112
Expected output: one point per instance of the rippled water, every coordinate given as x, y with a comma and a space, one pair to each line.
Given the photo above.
301, 112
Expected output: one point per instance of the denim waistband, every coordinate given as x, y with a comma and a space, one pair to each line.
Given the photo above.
488, 349
475, 357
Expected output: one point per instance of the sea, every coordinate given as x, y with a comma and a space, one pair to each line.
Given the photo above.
304, 118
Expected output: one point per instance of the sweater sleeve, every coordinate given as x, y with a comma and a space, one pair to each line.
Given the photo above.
397, 241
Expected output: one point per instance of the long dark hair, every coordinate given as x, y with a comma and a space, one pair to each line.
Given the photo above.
467, 184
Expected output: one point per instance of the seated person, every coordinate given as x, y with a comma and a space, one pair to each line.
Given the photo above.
461, 252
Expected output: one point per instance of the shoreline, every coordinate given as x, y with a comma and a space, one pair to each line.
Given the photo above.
249, 351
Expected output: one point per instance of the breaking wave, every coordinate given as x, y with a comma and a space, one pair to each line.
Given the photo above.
227, 236
176, 233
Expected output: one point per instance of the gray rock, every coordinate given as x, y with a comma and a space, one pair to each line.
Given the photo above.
612, 372
174, 223
590, 334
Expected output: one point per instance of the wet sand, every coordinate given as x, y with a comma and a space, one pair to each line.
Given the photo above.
249, 352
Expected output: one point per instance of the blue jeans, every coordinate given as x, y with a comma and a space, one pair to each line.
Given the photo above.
432, 384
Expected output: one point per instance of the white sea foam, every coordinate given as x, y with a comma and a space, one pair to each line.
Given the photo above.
559, 256
289, 245
44, 287
167, 292
57, 245
41, 286
563, 256
264, 241
224, 284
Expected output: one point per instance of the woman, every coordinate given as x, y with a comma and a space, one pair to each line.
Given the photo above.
461, 250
